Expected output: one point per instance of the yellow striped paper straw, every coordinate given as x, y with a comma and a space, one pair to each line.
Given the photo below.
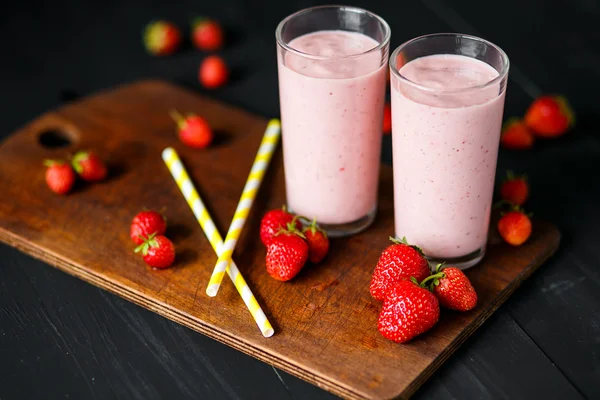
261, 162
193, 199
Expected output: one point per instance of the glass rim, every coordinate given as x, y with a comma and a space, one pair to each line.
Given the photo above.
287, 47
501, 74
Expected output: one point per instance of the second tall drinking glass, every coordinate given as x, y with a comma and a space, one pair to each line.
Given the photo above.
332, 74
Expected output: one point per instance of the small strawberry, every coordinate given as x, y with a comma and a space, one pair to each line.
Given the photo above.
161, 38
387, 119
274, 221
318, 243
158, 251
194, 131
452, 288
145, 224
516, 135
60, 177
515, 227
549, 116
514, 189
207, 34
286, 254
408, 311
213, 72
398, 261
89, 166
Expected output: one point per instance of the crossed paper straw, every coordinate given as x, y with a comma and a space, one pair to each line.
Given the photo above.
261, 162
193, 199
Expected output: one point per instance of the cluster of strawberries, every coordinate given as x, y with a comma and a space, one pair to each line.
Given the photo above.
546, 117
289, 246
412, 295
147, 230
514, 225
162, 38
61, 174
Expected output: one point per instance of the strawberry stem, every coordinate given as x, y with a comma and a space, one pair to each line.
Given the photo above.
177, 117
405, 242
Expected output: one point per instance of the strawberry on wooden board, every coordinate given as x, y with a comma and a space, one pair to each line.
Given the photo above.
318, 242
213, 72
275, 220
549, 116
514, 189
207, 34
398, 261
193, 130
408, 311
516, 135
157, 251
387, 119
286, 254
161, 38
452, 288
89, 166
515, 227
145, 224
60, 177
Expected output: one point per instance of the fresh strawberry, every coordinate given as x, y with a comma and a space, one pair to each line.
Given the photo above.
286, 254
516, 135
145, 224
387, 119
274, 221
60, 177
515, 227
398, 262
213, 72
89, 166
549, 116
318, 243
408, 311
514, 189
452, 288
194, 131
158, 251
207, 34
161, 38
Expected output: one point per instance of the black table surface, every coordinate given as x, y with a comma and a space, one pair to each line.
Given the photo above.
63, 338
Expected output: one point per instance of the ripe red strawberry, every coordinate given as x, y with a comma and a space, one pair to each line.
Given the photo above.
398, 262
145, 224
286, 254
89, 166
158, 251
194, 131
60, 177
161, 38
213, 72
207, 34
515, 227
516, 135
452, 288
549, 116
274, 221
387, 119
318, 243
514, 189
408, 311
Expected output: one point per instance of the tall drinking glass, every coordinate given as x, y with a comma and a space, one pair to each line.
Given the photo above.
447, 103
332, 63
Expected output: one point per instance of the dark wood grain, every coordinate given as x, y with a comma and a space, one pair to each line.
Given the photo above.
325, 320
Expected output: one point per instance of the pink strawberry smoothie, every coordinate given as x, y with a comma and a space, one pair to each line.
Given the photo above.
445, 148
331, 113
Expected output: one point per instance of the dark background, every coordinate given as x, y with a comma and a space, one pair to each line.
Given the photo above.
61, 338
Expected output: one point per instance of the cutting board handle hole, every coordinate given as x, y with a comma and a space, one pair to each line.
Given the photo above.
55, 139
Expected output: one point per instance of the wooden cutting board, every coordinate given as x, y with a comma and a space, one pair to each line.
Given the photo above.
325, 320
